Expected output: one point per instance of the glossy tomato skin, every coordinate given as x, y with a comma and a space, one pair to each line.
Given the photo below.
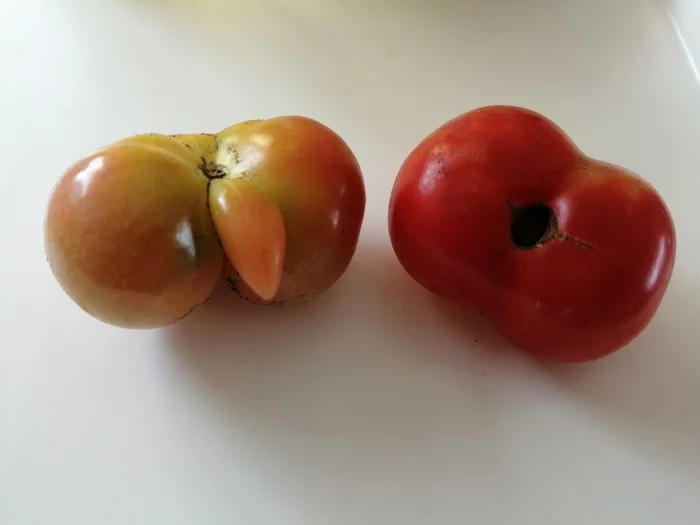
598, 275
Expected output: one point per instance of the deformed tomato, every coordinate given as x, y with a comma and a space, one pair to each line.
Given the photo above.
568, 256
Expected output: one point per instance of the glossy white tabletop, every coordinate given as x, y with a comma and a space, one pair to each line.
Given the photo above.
375, 404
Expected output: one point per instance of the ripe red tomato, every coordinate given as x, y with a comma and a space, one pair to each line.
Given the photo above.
567, 256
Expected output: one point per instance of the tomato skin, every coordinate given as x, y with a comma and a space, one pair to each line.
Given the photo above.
588, 288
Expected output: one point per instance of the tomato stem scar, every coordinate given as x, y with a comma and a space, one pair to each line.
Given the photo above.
535, 225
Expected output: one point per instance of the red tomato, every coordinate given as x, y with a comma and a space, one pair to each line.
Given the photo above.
567, 256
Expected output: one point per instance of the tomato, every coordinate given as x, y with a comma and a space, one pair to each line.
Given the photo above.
568, 256
139, 232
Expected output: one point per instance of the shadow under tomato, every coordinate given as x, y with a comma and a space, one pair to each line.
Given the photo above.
375, 299
381, 393
474, 330
353, 387
649, 391
375, 355
227, 325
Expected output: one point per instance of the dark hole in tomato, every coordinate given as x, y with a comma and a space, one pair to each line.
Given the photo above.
532, 225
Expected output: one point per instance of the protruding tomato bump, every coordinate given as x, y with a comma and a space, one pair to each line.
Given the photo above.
251, 229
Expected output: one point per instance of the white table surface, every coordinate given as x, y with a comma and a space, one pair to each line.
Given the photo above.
375, 404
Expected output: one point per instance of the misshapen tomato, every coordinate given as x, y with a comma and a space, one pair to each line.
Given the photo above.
567, 256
